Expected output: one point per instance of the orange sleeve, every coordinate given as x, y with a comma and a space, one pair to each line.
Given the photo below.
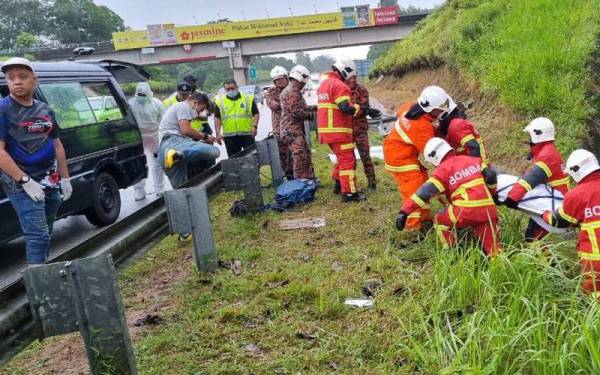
422, 134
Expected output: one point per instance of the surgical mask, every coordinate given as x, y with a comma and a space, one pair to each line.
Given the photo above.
232, 94
143, 99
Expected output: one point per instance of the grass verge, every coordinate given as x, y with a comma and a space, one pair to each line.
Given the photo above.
532, 54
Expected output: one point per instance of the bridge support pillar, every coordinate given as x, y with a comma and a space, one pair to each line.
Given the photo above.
239, 63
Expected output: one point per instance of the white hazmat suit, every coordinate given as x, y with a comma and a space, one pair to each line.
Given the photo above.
148, 112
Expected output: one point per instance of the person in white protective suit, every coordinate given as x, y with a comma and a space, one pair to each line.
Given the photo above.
148, 113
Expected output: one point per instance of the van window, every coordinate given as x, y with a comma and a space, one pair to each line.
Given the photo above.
102, 101
3, 91
69, 104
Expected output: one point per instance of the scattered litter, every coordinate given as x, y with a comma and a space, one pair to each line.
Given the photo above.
304, 258
148, 320
250, 324
251, 348
235, 267
338, 243
306, 336
376, 152
335, 366
313, 222
399, 292
337, 266
359, 302
278, 284
370, 286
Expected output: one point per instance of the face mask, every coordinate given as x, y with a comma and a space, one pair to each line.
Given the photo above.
143, 99
232, 94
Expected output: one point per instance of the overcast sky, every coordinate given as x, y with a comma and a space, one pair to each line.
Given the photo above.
137, 14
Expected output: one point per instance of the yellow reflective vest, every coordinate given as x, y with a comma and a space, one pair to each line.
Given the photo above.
196, 124
236, 115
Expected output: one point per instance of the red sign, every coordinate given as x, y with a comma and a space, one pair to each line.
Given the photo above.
385, 16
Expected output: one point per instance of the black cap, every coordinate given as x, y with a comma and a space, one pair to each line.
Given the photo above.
184, 86
190, 78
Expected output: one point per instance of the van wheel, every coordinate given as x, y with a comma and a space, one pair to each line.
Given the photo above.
107, 201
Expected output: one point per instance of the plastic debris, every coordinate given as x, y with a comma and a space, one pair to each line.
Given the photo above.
314, 222
359, 302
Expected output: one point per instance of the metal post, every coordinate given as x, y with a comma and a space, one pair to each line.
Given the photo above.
268, 154
242, 174
83, 295
189, 212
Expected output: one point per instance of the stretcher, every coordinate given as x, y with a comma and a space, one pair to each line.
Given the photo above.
540, 199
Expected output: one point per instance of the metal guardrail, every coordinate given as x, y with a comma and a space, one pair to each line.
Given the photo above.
124, 240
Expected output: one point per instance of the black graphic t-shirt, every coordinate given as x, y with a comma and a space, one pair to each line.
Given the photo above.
29, 134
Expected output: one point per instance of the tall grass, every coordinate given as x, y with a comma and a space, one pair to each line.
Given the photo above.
533, 54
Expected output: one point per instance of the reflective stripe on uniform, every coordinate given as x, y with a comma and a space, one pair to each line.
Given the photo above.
562, 181
525, 184
466, 139
436, 183
544, 167
335, 130
401, 133
351, 174
341, 99
420, 202
591, 228
566, 216
451, 214
465, 201
349, 146
402, 168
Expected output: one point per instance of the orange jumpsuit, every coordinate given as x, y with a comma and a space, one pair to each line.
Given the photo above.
401, 149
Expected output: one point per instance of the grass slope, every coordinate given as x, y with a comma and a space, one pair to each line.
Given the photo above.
533, 54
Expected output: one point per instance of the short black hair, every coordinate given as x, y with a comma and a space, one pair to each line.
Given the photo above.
229, 82
200, 97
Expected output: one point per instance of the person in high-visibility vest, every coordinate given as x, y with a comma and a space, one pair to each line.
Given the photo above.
581, 208
469, 185
547, 168
185, 89
236, 118
334, 122
406, 141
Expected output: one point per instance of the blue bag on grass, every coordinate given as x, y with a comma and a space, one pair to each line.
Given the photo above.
295, 191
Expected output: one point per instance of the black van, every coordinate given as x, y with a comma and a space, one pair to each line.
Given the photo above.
99, 133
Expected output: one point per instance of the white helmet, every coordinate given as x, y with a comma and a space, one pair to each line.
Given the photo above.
278, 72
300, 74
540, 130
435, 150
346, 67
434, 97
581, 163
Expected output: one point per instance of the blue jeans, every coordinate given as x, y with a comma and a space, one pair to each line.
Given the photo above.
37, 219
192, 151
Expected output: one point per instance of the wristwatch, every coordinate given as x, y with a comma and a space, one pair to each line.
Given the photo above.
25, 179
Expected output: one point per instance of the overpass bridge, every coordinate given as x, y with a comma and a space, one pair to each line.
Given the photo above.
238, 52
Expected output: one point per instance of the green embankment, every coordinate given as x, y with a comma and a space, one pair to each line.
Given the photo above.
533, 54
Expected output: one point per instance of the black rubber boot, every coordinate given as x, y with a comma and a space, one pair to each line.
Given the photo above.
337, 188
354, 197
372, 184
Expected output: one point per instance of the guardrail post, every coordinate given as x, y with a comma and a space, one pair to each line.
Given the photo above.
268, 154
83, 295
242, 174
189, 212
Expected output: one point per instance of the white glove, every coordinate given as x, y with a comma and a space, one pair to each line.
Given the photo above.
34, 190
66, 187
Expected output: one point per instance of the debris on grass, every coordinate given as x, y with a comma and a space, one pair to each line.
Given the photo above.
334, 366
312, 222
370, 286
278, 284
235, 267
359, 302
337, 266
306, 336
148, 320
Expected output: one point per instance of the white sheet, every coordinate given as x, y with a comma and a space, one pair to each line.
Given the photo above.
540, 199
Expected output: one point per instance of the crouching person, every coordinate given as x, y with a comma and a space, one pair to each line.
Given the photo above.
581, 207
33, 164
180, 144
469, 185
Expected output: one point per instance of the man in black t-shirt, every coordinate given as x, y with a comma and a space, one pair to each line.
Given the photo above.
33, 164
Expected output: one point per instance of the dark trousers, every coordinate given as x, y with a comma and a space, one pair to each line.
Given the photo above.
237, 143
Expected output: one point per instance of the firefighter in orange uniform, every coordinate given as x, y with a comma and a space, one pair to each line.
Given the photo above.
407, 139
469, 185
581, 208
334, 121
